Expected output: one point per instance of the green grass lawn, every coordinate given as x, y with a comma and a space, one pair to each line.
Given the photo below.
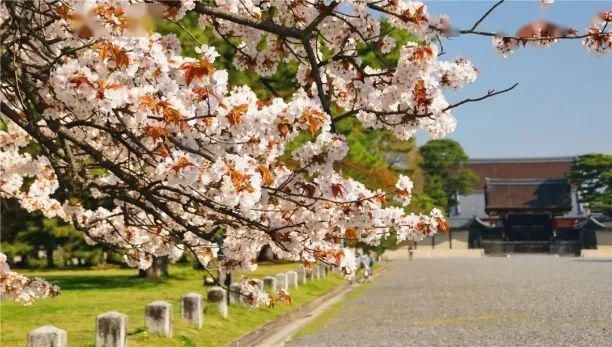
87, 293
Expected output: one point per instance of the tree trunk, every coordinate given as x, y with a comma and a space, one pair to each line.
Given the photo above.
50, 261
157, 270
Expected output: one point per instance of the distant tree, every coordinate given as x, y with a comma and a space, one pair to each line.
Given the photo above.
592, 174
445, 175
24, 234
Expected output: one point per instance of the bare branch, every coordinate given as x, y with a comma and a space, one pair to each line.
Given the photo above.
485, 15
489, 94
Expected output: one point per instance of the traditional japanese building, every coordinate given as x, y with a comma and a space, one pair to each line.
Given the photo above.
524, 205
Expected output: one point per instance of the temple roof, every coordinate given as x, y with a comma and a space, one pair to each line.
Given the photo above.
522, 195
521, 168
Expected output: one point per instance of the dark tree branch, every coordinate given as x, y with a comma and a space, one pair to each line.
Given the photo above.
267, 26
489, 94
324, 13
485, 15
316, 74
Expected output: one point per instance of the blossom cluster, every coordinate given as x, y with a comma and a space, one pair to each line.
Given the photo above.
170, 155
540, 33
14, 286
401, 99
253, 293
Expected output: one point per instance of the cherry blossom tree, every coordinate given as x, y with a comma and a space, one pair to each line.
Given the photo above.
149, 151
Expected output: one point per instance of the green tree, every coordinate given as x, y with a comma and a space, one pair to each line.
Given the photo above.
592, 175
445, 174
24, 234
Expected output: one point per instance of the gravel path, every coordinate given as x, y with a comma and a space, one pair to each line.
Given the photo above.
529, 300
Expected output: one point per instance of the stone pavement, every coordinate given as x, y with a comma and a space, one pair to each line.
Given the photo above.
531, 300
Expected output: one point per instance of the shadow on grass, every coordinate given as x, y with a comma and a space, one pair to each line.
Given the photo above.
136, 331
101, 282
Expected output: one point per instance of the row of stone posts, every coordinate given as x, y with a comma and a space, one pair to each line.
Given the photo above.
112, 327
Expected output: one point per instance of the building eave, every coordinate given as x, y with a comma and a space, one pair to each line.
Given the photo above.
565, 159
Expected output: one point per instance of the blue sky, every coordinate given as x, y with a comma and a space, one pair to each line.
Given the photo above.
563, 104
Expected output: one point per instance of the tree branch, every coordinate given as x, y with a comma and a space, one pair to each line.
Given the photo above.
267, 26
489, 94
316, 74
485, 15
324, 13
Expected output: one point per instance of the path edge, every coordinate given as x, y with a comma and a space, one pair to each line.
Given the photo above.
270, 327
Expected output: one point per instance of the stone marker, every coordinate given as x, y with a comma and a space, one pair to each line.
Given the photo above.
234, 293
208, 281
217, 295
158, 318
302, 275
269, 283
316, 272
192, 310
310, 274
292, 279
47, 336
281, 281
111, 329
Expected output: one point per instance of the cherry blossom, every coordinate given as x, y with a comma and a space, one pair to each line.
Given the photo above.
14, 286
253, 294
157, 154
404, 187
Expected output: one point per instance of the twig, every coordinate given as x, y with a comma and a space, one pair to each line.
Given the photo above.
485, 15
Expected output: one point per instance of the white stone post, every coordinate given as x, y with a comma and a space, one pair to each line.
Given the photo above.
292, 279
234, 293
281, 281
269, 283
111, 329
302, 276
192, 310
322, 272
316, 272
47, 336
217, 295
158, 318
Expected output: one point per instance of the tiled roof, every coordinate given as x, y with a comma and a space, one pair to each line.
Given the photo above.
504, 195
523, 160
464, 223
471, 205
524, 168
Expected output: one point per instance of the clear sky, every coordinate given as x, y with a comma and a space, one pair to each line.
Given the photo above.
563, 104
